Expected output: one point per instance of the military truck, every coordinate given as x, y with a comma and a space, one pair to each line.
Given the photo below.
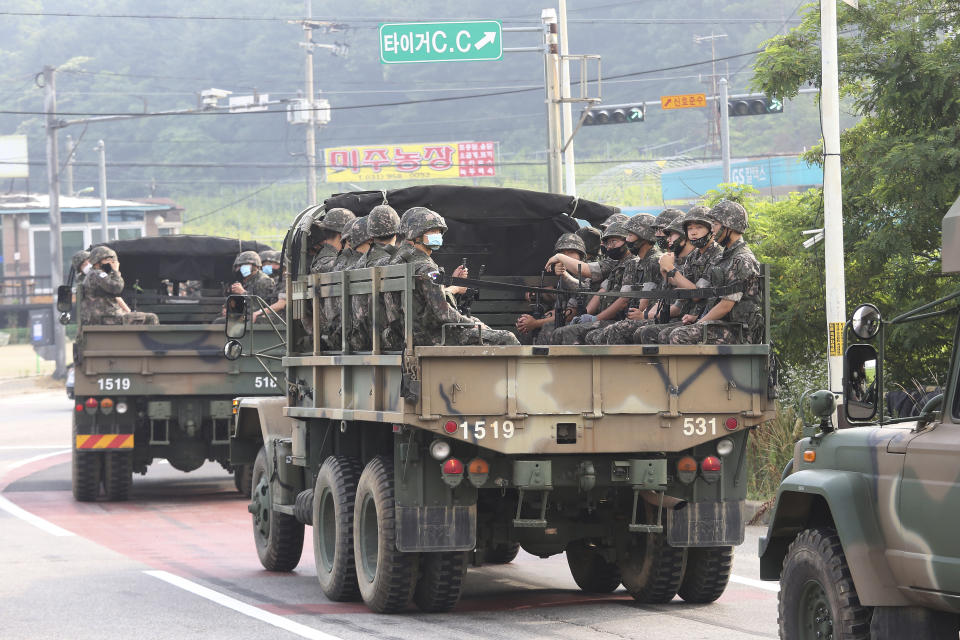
861, 536
162, 391
409, 465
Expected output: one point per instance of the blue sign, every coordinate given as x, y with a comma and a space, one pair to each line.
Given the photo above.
767, 173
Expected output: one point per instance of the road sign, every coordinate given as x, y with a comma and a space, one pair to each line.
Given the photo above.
684, 101
407, 42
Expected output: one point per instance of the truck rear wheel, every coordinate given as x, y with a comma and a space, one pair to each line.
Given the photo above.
87, 468
591, 571
117, 474
333, 503
279, 537
441, 580
386, 576
501, 553
243, 479
817, 596
651, 569
706, 574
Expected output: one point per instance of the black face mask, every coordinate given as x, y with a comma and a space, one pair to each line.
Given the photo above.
634, 247
662, 243
724, 239
617, 252
700, 243
677, 246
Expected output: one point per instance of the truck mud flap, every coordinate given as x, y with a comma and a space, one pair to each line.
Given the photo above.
436, 528
706, 524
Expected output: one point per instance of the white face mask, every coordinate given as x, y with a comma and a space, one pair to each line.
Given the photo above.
87, 268
268, 269
434, 240
246, 270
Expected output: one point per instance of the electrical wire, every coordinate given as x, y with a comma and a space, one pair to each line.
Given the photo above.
237, 201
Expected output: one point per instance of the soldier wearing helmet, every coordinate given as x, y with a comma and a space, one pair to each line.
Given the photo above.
270, 263
250, 280
591, 242
348, 256
616, 217
100, 302
530, 327
81, 265
326, 238
663, 220
382, 225
737, 316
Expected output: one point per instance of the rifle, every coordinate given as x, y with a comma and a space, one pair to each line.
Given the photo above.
581, 292
471, 294
539, 311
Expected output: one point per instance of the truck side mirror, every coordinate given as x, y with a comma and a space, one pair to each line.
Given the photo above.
65, 319
236, 316
232, 350
64, 299
866, 321
861, 370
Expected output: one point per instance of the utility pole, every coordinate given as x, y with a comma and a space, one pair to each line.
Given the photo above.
548, 17
56, 239
724, 128
70, 153
570, 175
832, 196
102, 148
714, 126
311, 114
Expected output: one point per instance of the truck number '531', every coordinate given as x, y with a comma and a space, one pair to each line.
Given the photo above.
699, 426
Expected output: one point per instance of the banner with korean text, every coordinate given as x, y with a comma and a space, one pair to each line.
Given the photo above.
427, 161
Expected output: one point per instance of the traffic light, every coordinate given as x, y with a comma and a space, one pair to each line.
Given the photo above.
757, 105
615, 114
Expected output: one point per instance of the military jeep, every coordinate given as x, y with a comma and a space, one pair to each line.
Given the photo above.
862, 535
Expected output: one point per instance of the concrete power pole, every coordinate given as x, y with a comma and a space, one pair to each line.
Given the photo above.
311, 114
551, 72
56, 239
102, 148
836, 302
70, 156
570, 174
724, 128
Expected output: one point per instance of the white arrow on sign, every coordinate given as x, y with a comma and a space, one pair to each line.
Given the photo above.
488, 37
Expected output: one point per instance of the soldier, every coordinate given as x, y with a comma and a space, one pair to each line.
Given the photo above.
271, 259
250, 279
271, 264
591, 242
530, 327
430, 306
347, 256
101, 289
740, 311
601, 310
329, 232
692, 250
663, 220
642, 274
81, 265
383, 224
332, 327
616, 217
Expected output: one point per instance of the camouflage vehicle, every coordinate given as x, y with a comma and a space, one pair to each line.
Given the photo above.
411, 464
861, 537
163, 391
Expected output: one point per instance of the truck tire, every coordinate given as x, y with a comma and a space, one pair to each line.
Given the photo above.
501, 553
817, 594
441, 580
243, 479
117, 475
333, 502
87, 468
651, 569
706, 574
386, 576
591, 571
279, 537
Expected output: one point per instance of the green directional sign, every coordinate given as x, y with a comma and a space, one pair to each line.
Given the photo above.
407, 42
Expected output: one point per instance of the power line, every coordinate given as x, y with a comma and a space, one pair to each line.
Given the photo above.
237, 201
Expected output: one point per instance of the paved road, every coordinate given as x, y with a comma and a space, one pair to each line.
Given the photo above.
178, 560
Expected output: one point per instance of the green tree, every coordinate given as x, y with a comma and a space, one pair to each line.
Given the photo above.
900, 69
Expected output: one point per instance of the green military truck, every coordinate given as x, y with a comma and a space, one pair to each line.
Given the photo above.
411, 464
161, 391
861, 537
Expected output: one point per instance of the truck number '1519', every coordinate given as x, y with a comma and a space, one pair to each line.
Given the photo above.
264, 382
699, 426
113, 384
481, 429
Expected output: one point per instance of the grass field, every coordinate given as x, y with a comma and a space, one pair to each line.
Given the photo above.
20, 361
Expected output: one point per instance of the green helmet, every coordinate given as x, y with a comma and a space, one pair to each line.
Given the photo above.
591, 239
335, 219
360, 232
422, 220
247, 257
570, 242
616, 217
102, 252
78, 259
615, 230
348, 231
405, 222
698, 213
677, 226
270, 255
641, 225
666, 217
730, 214
383, 221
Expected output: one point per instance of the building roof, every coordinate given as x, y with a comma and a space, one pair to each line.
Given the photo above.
36, 203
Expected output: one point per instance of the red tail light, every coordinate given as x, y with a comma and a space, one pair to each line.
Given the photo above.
79, 407
453, 467
710, 468
451, 427
91, 403
732, 424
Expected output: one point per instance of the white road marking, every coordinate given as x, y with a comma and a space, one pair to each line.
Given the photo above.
20, 463
26, 516
280, 622
27, 447
756, 584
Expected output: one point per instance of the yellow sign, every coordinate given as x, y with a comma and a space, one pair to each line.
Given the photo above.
835, 330
684, 101
427, 161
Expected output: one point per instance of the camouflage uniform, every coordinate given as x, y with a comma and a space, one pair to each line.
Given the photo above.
332, 328
612, 219
383, 222
257, 283
100, 290
336, 221
78, 259
737, 266
566, 242
666, 217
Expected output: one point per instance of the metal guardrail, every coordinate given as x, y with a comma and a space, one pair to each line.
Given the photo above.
24, 289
